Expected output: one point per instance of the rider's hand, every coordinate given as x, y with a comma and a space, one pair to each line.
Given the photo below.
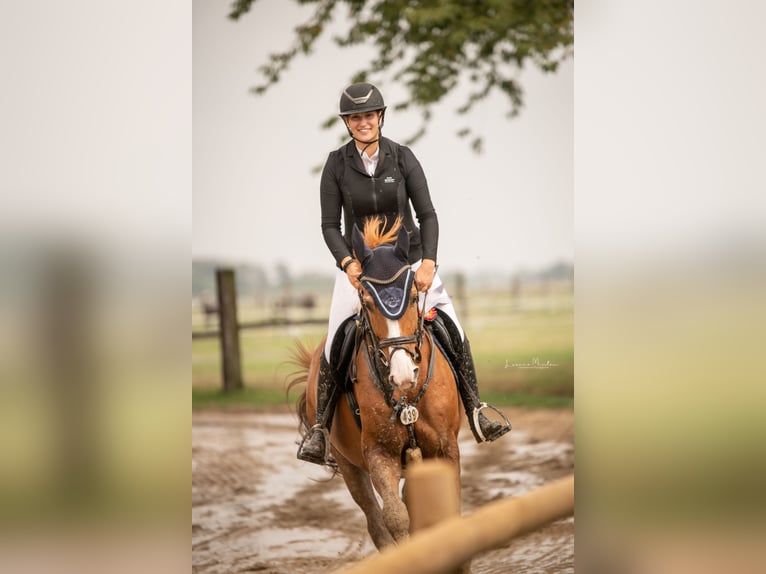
424, 276
353, 272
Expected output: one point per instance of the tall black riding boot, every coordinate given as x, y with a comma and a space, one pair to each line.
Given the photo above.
483, 429
316, 444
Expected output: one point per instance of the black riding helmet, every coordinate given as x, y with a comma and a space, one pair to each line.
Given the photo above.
360, 98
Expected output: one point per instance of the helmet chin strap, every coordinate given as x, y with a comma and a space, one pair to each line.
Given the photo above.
364, 149
368, 144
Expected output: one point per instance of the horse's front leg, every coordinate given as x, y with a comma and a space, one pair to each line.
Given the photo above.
385, 472
359, 485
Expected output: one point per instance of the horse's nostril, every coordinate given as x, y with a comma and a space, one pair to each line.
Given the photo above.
415, 372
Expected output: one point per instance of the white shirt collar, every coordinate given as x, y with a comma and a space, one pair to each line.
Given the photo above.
370, 162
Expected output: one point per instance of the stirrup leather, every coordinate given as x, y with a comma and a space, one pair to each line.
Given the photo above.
477, 426
325, 435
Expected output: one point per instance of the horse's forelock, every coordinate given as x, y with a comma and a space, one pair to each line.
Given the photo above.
374, 234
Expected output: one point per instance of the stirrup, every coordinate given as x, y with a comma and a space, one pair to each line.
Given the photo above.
325, 435
477, 426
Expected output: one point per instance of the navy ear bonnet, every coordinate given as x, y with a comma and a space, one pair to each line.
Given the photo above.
389, 280
386, 274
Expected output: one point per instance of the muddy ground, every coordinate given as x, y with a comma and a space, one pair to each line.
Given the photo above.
256, 508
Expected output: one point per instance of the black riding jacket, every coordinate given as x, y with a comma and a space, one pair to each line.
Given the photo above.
398, 182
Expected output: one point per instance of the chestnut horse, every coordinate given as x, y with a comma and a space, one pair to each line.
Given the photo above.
405, 389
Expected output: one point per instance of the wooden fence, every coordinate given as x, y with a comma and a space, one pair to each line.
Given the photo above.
229, 327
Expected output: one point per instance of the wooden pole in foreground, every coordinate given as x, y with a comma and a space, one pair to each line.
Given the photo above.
433, 494
456, 540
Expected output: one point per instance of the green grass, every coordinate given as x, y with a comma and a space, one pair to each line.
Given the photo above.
523, 350
265, 355
527, 400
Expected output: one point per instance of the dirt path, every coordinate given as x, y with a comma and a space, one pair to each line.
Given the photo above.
256, 508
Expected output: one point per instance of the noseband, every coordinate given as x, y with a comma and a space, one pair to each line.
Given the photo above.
376, 345
378, 363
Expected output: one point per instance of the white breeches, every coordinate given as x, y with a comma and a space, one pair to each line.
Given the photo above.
345, 303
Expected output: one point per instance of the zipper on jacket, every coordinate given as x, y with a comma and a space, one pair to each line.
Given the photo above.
374, 195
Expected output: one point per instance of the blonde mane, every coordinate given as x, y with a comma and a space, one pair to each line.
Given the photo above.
373, 231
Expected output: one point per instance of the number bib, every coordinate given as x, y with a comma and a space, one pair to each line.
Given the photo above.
409, 415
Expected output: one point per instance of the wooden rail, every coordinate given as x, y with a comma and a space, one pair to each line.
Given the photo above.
453, 542
276, 322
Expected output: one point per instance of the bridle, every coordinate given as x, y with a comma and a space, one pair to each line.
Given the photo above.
376, 346
378, 362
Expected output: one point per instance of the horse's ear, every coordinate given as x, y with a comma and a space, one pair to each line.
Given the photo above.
402, 247
361, 250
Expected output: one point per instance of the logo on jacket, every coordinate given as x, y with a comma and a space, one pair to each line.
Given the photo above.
389, 179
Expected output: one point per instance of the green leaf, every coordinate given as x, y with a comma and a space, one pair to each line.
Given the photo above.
429, 45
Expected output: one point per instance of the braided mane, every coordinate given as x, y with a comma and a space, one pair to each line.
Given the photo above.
373, 231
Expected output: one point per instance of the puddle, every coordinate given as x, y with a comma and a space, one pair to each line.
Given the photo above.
542, 451
541, 555
214, 438
302, 542
245, 474
288, 421
513, 483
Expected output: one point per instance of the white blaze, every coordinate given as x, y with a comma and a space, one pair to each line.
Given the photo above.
401, 366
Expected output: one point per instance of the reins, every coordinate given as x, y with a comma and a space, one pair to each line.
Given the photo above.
376, 346
376, 357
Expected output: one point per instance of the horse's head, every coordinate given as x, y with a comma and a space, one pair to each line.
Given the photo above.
389, 302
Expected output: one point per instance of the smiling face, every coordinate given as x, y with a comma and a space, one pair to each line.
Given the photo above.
365, 127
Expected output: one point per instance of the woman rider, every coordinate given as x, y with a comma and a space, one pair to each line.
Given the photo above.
372, 175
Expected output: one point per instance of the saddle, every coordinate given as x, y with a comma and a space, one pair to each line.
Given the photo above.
349, 336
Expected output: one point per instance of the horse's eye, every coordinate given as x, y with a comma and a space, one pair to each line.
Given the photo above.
414, 299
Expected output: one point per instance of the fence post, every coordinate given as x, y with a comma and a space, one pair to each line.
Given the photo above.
229, 329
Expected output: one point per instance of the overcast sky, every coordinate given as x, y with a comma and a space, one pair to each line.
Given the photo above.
256, 198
